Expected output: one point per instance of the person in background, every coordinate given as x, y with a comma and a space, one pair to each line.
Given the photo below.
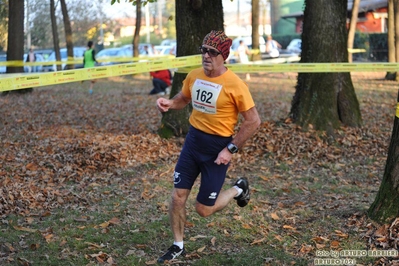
272, 47
161, 80
217, 96
146, 50
31, 57
243, 53
89, 60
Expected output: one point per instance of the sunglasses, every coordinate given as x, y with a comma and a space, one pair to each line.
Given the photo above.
211, 52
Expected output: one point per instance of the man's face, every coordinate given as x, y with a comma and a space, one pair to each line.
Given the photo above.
211, 61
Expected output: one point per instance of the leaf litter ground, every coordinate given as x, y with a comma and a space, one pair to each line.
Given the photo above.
65, 150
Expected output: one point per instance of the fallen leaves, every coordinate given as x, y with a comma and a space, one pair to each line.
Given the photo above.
64, 153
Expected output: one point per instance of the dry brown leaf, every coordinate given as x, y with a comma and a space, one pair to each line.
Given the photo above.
25, 229
246, 226
258, 241
334, 244
200, 250
274, 216
289, 227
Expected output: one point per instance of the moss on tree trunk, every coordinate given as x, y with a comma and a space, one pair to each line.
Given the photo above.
325, 100
385, 207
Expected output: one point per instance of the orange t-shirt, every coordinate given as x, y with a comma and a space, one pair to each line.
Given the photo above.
216, 101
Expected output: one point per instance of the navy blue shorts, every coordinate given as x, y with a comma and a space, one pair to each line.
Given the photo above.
198, 155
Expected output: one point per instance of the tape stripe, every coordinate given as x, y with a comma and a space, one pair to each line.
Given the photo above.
184, 64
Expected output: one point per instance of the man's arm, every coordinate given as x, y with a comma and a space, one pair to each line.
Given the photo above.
248, 127
179, 101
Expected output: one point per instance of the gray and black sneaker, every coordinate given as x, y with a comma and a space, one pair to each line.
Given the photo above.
243, 198
172, 253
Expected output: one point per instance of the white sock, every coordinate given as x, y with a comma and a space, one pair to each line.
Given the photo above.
179, 244
239, 190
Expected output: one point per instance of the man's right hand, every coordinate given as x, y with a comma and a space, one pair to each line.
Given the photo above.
163, 104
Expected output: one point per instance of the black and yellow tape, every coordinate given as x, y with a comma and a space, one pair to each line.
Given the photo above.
184, 65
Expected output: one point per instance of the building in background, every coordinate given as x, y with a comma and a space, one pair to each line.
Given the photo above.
372, 17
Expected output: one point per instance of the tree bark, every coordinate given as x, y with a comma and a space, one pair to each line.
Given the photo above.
325, 100
68, 34
396, 10
15, 50
352, 28
15, 41
56, 41
195, 19
255, 30
136, 37
385, 209
391, 38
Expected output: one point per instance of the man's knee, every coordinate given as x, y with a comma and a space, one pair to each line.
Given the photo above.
179, 197
203, 210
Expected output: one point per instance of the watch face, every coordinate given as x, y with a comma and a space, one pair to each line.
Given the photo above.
232, 148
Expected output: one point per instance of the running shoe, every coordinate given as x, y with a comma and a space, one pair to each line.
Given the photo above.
243, 198
172, 253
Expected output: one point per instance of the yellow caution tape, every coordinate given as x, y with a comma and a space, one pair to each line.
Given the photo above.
184, 65
24, 80
397, 110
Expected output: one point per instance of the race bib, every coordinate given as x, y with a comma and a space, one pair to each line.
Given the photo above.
204, 95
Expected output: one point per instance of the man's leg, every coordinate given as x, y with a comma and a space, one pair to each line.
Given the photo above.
177, 212
177, 217
223, 199
157, 83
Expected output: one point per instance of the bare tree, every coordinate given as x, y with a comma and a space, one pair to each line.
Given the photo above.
56, 41
136, 37
68, 33
255, 29
15, 49
352, 28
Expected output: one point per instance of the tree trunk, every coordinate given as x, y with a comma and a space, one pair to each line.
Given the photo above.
391, 38
56, 41
68, 34
15, 47
385, 206
136, 37
15, 41
255, 30
352, 28
325, 100
196, 19
396, 10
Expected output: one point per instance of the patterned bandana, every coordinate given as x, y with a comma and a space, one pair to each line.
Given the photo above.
219, 41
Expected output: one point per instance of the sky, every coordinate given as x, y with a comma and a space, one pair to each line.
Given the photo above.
124, 9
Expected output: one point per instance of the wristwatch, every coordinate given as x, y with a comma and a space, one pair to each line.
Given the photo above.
232, 148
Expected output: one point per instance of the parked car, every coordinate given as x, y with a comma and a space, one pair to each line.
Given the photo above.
108, 53
38, 68
168, 42
165, 49
248, 41
77, 54
44, 52
142, 48
295, 46
3, 68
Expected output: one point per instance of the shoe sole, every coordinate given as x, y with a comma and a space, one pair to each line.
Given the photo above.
243, 200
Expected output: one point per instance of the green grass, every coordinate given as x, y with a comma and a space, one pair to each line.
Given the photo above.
118, 212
